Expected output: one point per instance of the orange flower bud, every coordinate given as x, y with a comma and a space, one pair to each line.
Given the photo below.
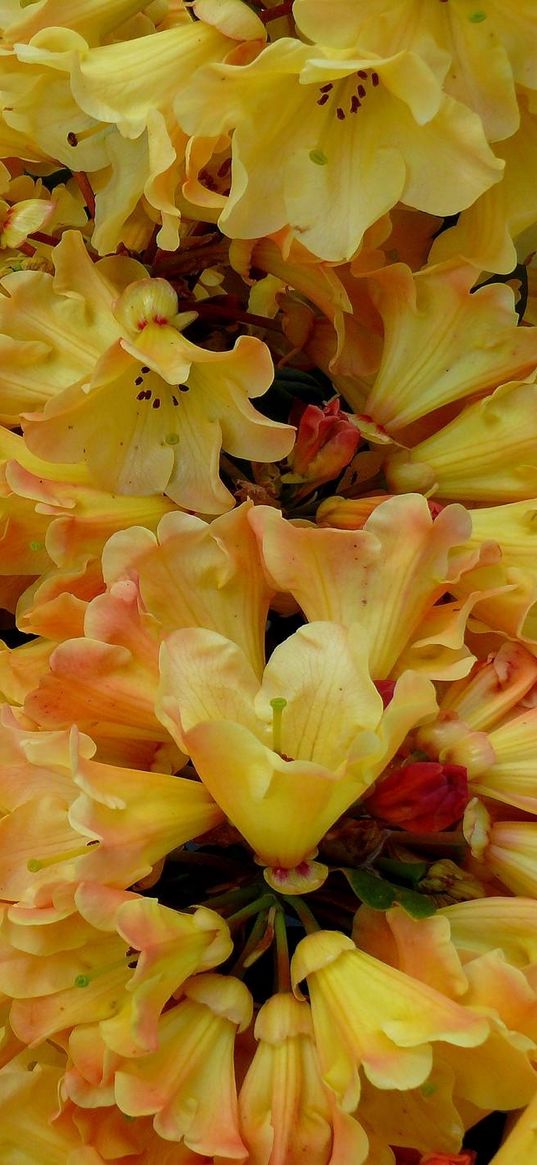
423, 796
326, 441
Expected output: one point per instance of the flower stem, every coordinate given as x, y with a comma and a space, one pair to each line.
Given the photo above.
255, 907
282, 952
232, 897
303, 912
257, 942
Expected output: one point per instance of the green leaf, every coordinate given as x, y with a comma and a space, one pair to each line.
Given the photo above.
416, 904
380, 894
411, 872
373, 891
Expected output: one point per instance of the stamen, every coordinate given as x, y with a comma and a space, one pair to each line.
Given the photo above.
85, 979
34, 865
340, 113
277, 704
322, 100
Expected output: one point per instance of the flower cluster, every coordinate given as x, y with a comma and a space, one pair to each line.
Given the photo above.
268, 583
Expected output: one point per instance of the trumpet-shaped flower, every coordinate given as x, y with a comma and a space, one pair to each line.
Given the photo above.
487, 232
189, 1081
442, 341
171, 407
385, 577
195, 573
480, 55
368, 1015
467, 459
173, 946
118, 656
358, 132
286, 1111
286, 759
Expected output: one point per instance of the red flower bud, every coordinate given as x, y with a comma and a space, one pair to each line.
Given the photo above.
326, 441
422, 796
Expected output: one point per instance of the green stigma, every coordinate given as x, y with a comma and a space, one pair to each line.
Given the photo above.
318, 157
277, 704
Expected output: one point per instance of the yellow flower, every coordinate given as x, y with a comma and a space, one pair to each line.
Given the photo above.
486, 233
285, 759
170, 405
366, 1014
189, 1081
286, 1112
385, 578
488, 453
198, 573
479, 51
355, 133
443, 341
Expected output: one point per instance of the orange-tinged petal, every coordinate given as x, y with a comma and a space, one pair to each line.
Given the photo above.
488, 453
366, 1013
350, 576
443, 341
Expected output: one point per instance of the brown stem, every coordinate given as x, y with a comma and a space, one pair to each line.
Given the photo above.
41, 237
228, 312
275, 13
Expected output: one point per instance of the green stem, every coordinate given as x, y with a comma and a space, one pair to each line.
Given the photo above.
303, 912
253, 940
282, 952
262, 903
232, 897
